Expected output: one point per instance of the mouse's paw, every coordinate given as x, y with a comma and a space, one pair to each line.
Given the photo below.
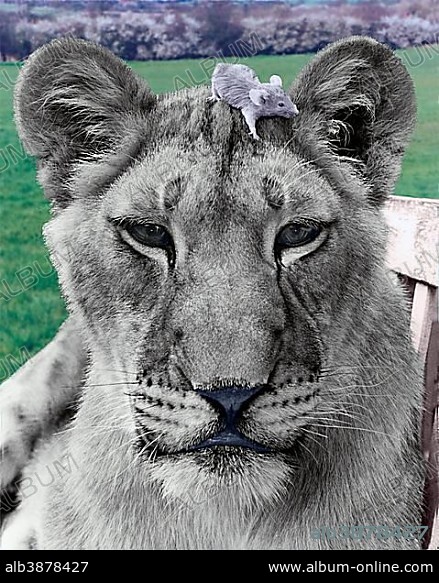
254, 135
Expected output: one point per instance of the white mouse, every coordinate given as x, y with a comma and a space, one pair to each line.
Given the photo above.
239, 86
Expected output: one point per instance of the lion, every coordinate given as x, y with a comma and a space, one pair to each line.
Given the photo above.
236, 371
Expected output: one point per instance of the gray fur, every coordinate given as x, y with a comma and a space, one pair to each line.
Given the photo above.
239, 86
327, 329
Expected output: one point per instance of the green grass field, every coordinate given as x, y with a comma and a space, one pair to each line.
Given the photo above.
30, 304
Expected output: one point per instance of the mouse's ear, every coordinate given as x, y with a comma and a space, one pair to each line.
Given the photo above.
258, 96
357, 97
276, 80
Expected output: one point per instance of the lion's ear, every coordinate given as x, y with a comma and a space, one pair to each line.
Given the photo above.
75, 100
357, 95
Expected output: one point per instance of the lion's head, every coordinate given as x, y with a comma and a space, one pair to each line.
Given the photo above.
232, 294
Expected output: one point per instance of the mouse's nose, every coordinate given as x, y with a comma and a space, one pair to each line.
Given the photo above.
230, 401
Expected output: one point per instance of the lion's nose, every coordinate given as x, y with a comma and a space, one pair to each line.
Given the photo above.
230, 401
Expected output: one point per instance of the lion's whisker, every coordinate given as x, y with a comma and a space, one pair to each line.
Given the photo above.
349, 404
316, 441
356, 429
313, 432
357, 417
112, 384
309, 451
116, 370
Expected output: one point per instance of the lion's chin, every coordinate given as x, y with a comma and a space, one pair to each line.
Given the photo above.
233, 476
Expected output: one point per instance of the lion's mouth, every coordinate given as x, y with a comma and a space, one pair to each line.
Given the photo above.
224, 434
226, 440
230, 438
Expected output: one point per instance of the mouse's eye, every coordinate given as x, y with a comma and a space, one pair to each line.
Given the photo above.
281, 104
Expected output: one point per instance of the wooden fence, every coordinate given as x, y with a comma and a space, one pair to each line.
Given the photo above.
413, 253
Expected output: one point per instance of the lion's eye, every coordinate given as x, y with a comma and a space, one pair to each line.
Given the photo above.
146, 238
296, 235
149, 235
298, 239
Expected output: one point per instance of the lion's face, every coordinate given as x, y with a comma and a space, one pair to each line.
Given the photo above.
193, 283
219, 280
